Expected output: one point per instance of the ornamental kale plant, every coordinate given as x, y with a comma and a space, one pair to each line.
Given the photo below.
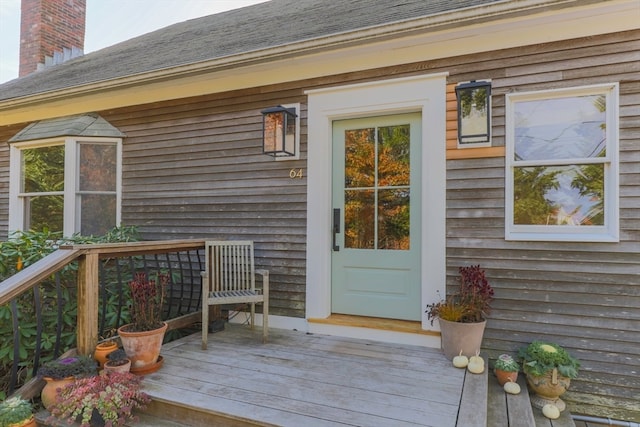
539, 358
147, 301
77, 366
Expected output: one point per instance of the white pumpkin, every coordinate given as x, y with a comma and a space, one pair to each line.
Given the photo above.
475, 366
511, 387
551, 411
460, 361
476, 359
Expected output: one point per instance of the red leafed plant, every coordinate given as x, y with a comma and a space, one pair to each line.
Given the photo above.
472, 302
147, 301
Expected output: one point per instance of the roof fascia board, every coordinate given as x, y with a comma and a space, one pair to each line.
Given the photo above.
496, 26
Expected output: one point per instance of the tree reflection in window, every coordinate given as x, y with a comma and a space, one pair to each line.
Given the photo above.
377, 188
558, 177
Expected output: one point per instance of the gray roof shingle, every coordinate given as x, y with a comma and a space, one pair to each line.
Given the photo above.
253, 28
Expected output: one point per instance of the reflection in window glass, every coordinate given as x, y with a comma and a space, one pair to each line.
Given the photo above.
359, 220
561, 195
377, 188
44, 212
97, 214
562, 128
97, 167
43, 169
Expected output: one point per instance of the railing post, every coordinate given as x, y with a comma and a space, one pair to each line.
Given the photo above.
88, 290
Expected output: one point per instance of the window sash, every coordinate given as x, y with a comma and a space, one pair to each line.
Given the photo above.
607, 232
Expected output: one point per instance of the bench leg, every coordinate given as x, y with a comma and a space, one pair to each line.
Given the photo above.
253, 314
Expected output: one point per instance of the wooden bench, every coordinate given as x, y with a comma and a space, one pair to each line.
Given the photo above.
229, 278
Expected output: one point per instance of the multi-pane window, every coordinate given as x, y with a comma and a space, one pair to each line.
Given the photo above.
67, 185
561, 180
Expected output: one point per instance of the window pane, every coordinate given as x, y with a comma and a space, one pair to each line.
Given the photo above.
562, 128
568, 195
43, 169
359, 219
97, 214
393, 219
44, 211
359, 158
393, 156
97, 167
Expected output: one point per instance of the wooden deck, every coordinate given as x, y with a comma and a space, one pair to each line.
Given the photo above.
299, 379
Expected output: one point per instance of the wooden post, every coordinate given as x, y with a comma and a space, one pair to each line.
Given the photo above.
87, 333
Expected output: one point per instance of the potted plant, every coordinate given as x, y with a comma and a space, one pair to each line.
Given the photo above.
16, 412
462, 315
506, 369
118, 361
103, 399
549, 369
59, 372
142, 338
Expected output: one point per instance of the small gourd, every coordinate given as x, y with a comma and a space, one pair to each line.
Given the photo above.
476, 364
551, 411
460, 361
477, 358
511, 387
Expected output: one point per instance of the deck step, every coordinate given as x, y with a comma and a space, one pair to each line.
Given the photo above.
516, 411
473, 402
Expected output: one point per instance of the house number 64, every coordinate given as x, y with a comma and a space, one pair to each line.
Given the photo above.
295, 173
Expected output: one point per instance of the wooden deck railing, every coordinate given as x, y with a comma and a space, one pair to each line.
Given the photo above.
91, 259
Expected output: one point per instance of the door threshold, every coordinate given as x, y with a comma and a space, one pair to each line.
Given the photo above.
379, 323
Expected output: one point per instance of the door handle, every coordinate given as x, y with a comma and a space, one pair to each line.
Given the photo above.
336, 228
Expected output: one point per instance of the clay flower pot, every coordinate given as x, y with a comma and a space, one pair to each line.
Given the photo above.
51, 388
142, 348
548, 388
102, 350
458, 336
504, 377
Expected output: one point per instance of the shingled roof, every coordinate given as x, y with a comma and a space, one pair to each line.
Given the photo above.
249, 29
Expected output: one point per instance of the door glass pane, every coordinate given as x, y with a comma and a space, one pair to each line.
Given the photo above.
97, 167
393, 156
393, 219
562, 128
44, 211
559, 195
97, 214
359, 220
359, 158
43, 169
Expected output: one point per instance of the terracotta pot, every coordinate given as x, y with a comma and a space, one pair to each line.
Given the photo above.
143, 348
103, 350
31, 422
109, 366
505, 376
548, 388
50, 390
458, 336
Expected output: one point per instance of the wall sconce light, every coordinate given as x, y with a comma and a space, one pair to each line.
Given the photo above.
474, 113
279, 131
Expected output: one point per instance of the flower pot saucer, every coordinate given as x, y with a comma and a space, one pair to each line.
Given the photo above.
148, 369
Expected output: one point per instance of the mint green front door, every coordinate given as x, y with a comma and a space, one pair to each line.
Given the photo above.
376, 213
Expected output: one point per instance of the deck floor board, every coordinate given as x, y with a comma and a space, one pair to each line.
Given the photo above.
307, 379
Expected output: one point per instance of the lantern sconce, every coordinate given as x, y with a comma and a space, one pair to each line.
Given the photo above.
474, 114
281, 132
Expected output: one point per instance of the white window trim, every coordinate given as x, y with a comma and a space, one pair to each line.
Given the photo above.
609, 232
71, 179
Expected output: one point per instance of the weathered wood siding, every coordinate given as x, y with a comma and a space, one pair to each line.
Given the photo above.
195, 168
584, 296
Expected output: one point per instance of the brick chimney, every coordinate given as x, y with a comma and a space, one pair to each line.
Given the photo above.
51, 32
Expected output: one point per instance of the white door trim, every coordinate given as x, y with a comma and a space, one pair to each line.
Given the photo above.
424, 94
